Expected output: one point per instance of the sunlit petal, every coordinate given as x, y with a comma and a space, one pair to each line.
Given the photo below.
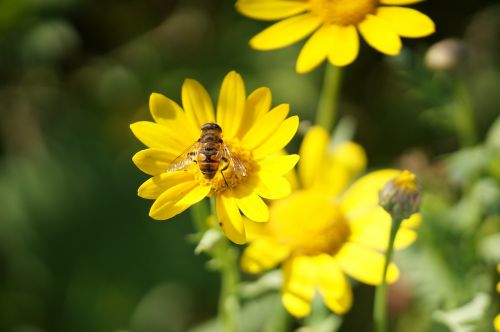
279, 140
153, 161
176, 199
231, 104
299, 285
286, 32
271, 9
315, 49
197, 103
280, 164
379, 35
263, 254
312, 152
168, 113
156, 185
399, 2
265, 127
345, 45
407, 22
230, 218
258, 103
333, 284
363, 194
250, 204
365, 264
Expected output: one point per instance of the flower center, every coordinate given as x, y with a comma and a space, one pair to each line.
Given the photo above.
343, 12
310, 223
231, 169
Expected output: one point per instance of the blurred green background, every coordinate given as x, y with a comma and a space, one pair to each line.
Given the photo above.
77, 249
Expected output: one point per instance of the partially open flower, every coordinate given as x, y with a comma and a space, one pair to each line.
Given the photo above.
400, 196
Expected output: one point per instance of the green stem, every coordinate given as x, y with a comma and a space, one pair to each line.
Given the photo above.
227, 259
464, 117
380, 308
328, 100
200, 213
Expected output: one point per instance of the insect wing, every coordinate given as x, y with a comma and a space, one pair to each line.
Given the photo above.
185, 158
234, 162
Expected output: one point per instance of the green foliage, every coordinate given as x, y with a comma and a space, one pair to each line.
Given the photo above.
77, 249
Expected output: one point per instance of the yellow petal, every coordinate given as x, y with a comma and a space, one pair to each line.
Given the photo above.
339, 43
299, 285
315, 49
271, 186
153, 161
197, 103
265, 127
177, 199
350, 155
279, 139
372, 230
263, 254
158, 184
345, 45
363, 194
333, 285
413, 222
230, 218
270, 10
258, 103
407, 22
231, 104
255, 230
251, 204
379, 35
286, 32
365, 264
312, 152
399, 2
166, 112
279, 164
343, 163
154, 135
496, 323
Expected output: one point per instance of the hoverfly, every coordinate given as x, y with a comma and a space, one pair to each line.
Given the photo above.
210, 154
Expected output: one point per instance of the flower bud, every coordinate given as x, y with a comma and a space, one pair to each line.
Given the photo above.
400, 196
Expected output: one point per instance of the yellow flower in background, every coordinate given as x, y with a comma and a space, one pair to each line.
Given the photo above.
245, 167
334, 25
327, 230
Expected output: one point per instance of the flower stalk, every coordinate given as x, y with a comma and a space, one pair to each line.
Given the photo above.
464, 117
400, 197
380, 309
225, 258
328, 101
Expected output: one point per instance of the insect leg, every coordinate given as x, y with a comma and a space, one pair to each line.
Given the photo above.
226, 161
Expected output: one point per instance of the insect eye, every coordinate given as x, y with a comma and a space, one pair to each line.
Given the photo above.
211, 126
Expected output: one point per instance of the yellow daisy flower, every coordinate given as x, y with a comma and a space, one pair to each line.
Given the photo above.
323, 231
239, 170
334, 25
